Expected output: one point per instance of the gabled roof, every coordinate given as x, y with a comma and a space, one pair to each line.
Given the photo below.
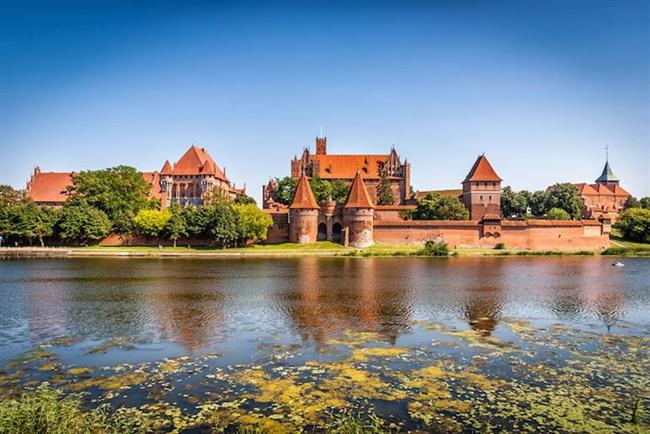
600, 189
196, 161
607, 175
49, 186
482, 171
341, 166
167, 168
304, 197
358, 196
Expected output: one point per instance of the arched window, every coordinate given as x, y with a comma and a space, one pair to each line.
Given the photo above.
336, 232
322, 232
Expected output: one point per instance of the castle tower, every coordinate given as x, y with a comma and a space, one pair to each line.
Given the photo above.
321, 145
482, 190
303, 214
358, 214
607, 177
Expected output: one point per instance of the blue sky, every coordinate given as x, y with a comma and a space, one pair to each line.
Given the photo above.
540, 87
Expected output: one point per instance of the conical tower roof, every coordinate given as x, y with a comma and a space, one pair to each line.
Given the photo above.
607, 175
358, 196
482, 171
304, 197
167, 168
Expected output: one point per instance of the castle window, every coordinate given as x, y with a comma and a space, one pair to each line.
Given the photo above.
489, 198
481, 197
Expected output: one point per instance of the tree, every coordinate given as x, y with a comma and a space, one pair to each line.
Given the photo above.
634, 224
566, 197
644, 202
151, 222
384, 191
120, 192
177, 224
435, 206
244, 199
537, 203
9, 196
286, 189
197, 221
252, 222
557, 214
81, 222
29, 222
340, 190
631, 202
513, 203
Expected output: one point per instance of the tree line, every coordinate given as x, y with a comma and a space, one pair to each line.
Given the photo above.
116, 200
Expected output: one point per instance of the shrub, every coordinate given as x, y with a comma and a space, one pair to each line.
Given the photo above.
151, 222
500, 246
558, 214
634, 224
435, 248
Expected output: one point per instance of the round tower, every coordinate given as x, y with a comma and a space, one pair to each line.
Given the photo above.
303, 214
358, 214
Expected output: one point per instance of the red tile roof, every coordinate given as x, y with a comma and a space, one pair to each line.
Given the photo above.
482, 171
195, 161
600, 189
358, 196
49, 187
304, 197
346, 166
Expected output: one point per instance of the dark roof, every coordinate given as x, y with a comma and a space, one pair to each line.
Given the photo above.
607, 175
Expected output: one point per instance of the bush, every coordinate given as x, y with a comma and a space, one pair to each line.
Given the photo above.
151, 222
558, 214
500, 246
435, 248
634, 224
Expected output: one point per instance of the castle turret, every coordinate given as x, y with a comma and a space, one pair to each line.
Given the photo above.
607, 177
303, 214
482, 190
358, 214
321, 145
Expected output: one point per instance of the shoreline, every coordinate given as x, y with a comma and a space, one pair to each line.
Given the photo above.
269, 252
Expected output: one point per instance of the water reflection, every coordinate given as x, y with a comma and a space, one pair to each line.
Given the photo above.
202, 305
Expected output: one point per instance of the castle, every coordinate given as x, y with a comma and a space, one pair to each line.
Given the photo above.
186, 182
361, 222
604, 199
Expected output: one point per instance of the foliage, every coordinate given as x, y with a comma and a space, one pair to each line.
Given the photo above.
9, 196
435, 206
253, 224
384, 192
47, 411
557, 214
631, 202
120, 192
324, 190
346, 422
566, 197
644, 202
244, 199
81, 222
177, 223
537, 203
286, 189
634, 224
500, 246
151, 222
435, 248
28, 222
514, 203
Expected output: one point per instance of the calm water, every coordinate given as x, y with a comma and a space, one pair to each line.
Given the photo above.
287, 312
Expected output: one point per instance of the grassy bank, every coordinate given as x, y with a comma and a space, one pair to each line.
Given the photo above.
47, 411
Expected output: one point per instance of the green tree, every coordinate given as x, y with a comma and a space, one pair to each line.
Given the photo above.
120, 192
566, 197
81, 222
435, 206
286, 189
151, 222
537, 203
177, 224
340, 191
384, 191
9, 196
557, 214
197, 221
30, 222
644, 202
513, 203
244, 199
634, 224
631, 202
252, 223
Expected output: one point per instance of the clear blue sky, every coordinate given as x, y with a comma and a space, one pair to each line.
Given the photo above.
540, 87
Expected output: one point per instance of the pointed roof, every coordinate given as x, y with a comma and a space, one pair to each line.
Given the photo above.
607, 175
167, 168
482, 171
304, 197
197, 161
358, 196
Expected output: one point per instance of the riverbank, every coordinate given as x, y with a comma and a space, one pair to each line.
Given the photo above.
618, 248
